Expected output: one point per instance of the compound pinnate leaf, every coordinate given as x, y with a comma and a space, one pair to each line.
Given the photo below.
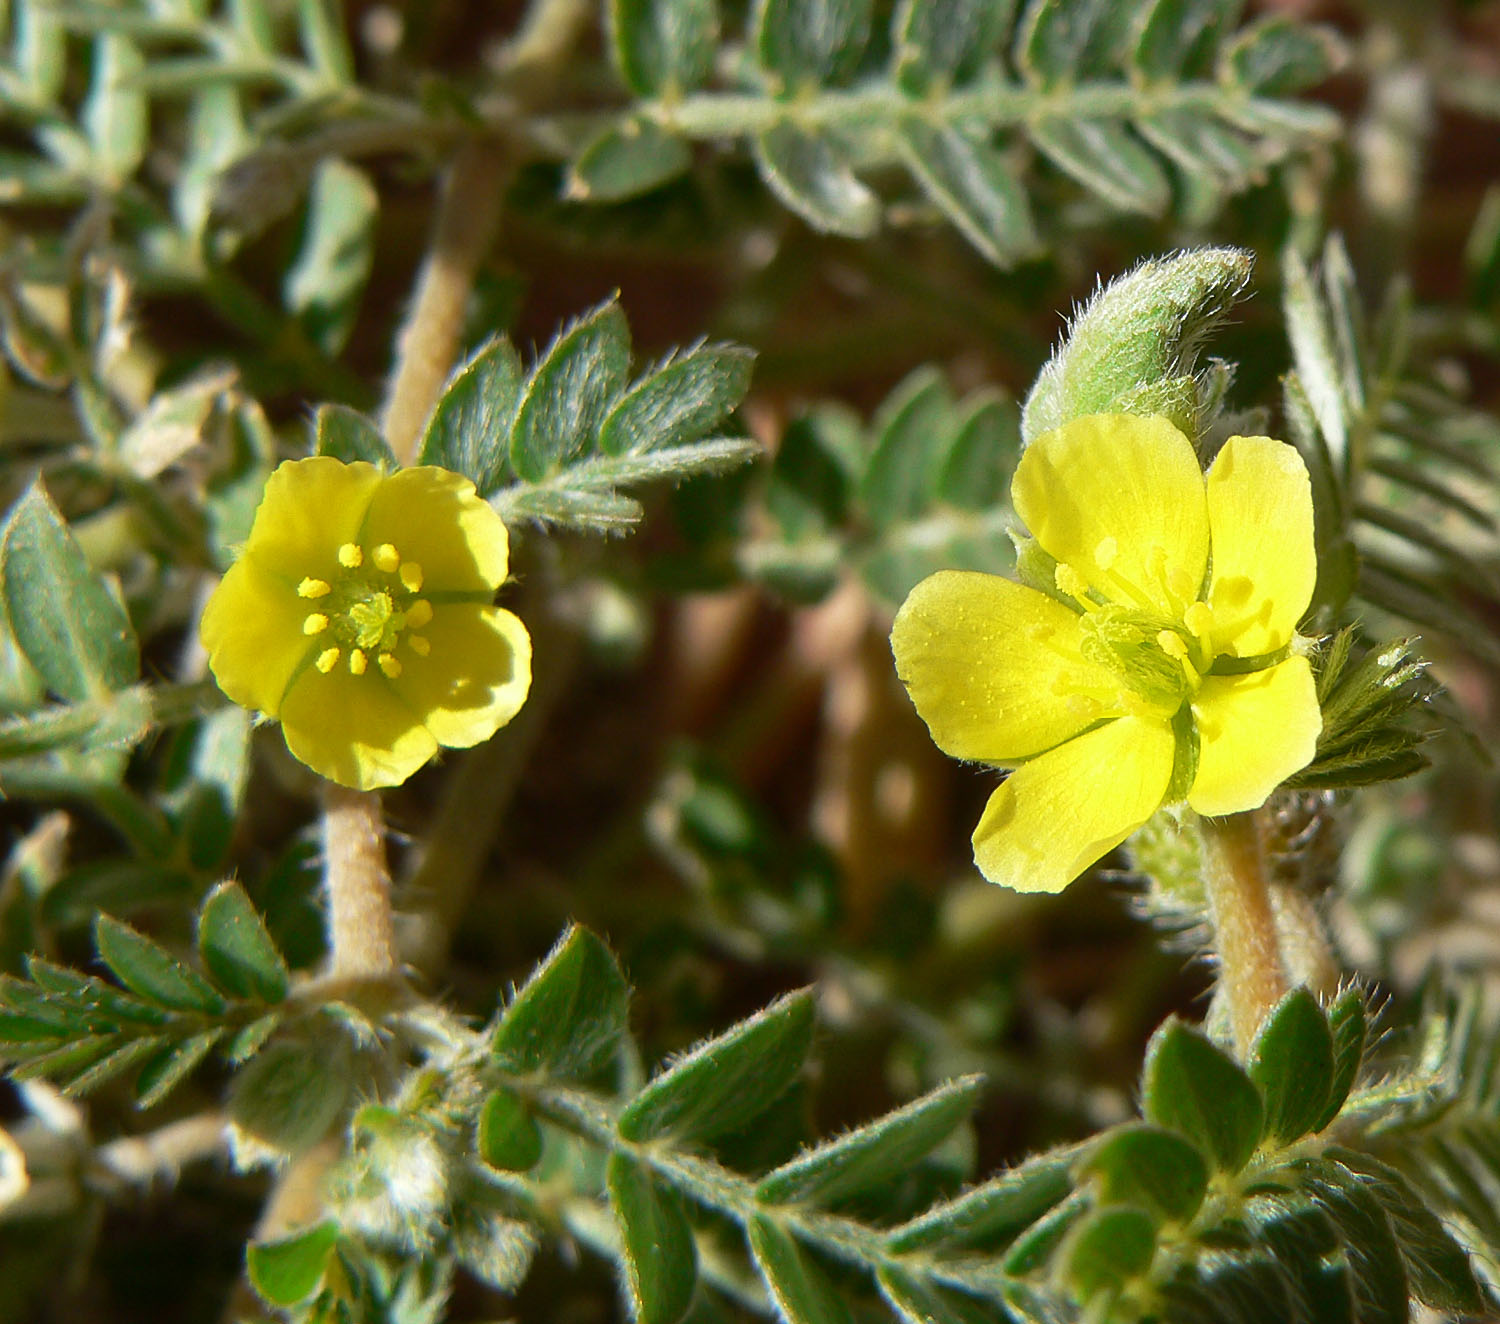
1106, 158
1194, 1088
625, 161
812, 177
663, 47
721, 1085
289, 1270
1152, 1168
875, 1152
569, 392
661, 1259
151, 971
506, 1134
801, 1289
1348, 1024
942, 43
973, 186
69, 626
989, 1217
1069, 40
168, 1068
348, 435
471, 422
1278, 56
1376, 1268
919, 1302
1179, 38
1292, 1063
568, 1019
811, 42
237, 949
680, 402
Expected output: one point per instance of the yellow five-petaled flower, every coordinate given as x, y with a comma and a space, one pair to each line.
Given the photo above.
361, 613
1163, 668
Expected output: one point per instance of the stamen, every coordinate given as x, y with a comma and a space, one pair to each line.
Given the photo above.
411, 577
1072, 583
350, 556
357, 662
1106, 552
1199, 618
387, 558
389, 665
419, 613
327, 660
313, 588
315, 623
419, 645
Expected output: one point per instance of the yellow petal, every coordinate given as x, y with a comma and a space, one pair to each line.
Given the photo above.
1119, 498
994, 668
1054, 816
474, 675
252, 629
433, 517
1254, 731
310, 508
1260, 512
355, 730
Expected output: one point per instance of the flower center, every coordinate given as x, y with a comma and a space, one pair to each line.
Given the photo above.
368, 612
1154, 658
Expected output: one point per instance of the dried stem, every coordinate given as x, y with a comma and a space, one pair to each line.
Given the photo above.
1252, 977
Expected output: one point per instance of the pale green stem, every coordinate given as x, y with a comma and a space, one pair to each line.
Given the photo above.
1252, 977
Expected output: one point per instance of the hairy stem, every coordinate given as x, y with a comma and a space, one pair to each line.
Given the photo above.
361, 929
1252, 977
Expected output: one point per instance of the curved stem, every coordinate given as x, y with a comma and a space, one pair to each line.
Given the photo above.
1252, 976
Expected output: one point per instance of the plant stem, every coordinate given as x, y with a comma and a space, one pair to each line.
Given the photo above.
1251, 974
361, 929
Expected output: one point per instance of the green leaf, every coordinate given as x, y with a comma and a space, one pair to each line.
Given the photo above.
811, 42
1180, 38
919, 1302
237, 949
625, 161
248, 1041
591, 511
1154, 1169
661, 1259
1318, 369
172, 423
1440, 1272
1305, 1246
293, 1094
324, 283
727, 1082
942, 43
1108, 1248
970, 182
348, 435
663, 47
811, 175
1278, 56
1106, 158
115, 113
1347, 1023
912, 431
507, 1135
679, 402
812, 476
569, 392
799, 1287
164, 1072
151, 971
1063, 41
875, 1153
68, 624
1192, 1087
1376, 1268
112, 1064
976, 474
289, 1270
1204, 148
471, 422
569, 1018
989, 1217
320, 24
1292, 1063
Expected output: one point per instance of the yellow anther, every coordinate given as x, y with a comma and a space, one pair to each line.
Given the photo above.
315, 623
1106, 552
313, 588
357, 662
1170, 643
350, 556
1071, 582
389, 665
411, 577
327, 660
419, 645
387, 558
419, 613
1180, 584
1199, 618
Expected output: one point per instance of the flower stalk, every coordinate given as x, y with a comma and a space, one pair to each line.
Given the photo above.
1252, 976
361, 928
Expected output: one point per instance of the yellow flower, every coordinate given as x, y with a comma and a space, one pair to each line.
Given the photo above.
360, 613
1162, 670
